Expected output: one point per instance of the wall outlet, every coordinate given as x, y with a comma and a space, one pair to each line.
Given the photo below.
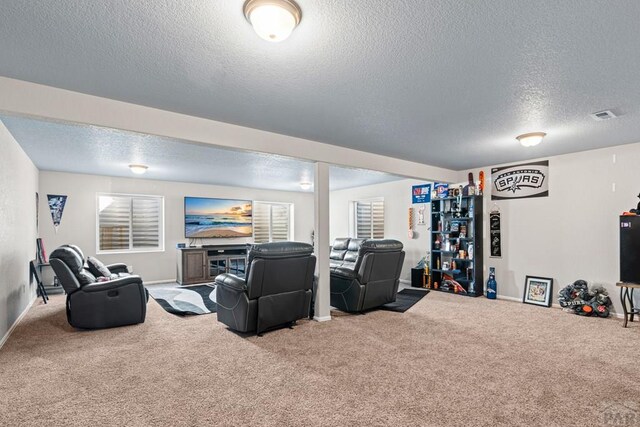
130, 268
613, 187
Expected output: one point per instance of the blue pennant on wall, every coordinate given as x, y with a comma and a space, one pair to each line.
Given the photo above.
56, 206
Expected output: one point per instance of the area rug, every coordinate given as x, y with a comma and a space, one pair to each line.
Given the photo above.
405, 299
186, 300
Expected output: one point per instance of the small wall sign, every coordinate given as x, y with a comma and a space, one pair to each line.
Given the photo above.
421, 193
442, 190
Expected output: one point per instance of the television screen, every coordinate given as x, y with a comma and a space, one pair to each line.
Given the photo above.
213, 218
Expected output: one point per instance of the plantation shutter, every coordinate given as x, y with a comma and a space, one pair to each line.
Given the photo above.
377, 222
114, 220
369, 219
129, 222
280, 217
145, 222
271, 222
261, 213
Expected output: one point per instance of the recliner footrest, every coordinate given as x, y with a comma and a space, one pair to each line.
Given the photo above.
275, 310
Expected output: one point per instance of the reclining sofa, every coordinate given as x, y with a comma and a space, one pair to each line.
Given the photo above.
110, 297
364, 273
277, 290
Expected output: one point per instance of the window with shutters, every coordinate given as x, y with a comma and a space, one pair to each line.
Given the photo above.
368, 222
272, 222
130, 223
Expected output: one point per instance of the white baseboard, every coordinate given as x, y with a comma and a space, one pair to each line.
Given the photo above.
155, 282
321, 318
24, 313
405, 282
554, 305
504, 297
514, 299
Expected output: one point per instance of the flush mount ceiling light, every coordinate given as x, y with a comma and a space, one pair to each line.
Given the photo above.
273, 20
305, 185
138, 169
531, 139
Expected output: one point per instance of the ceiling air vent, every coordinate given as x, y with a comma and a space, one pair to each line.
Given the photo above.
603, 115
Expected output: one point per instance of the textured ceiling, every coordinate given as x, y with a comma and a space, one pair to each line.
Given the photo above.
93, 150
443, 82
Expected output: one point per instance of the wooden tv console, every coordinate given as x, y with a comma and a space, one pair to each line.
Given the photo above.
203, 264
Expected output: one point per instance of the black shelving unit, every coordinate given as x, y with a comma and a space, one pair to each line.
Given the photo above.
457, 226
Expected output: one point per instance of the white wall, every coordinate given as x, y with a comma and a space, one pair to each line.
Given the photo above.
18, 187
78, 224
572, 234
397, 201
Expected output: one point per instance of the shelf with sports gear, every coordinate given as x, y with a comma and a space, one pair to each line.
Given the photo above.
456, 245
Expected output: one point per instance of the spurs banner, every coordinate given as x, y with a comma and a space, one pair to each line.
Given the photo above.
495, 235
520, 181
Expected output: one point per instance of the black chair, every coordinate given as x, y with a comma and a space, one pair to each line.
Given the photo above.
96, 267
344, 253
370, 278
92, 304
277, 290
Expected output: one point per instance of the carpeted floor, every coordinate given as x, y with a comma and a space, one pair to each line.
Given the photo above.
449, 360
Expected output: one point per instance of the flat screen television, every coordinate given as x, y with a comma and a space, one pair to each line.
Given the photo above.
206, 218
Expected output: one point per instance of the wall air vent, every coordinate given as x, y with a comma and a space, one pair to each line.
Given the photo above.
603, 115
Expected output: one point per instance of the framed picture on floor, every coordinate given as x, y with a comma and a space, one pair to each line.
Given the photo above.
538, 290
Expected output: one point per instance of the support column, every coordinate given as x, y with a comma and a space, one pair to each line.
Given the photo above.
321, 238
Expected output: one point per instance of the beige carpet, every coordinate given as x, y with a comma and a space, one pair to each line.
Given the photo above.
449, 360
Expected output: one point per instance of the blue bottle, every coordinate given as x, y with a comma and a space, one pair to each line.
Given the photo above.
492, 284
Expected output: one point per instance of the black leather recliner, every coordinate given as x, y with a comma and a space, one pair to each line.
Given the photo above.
367, 275
92, 304
344, 253
277, 290
118, 269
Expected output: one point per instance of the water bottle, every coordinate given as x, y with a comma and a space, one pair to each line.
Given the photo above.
492, 284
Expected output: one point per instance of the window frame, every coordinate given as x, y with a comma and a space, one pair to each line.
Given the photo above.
161, 221
291, 233
353, 217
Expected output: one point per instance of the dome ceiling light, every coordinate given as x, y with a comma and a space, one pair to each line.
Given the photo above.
531, 139
273, 20
138, 169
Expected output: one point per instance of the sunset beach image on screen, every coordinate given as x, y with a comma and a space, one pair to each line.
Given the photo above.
213, 218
